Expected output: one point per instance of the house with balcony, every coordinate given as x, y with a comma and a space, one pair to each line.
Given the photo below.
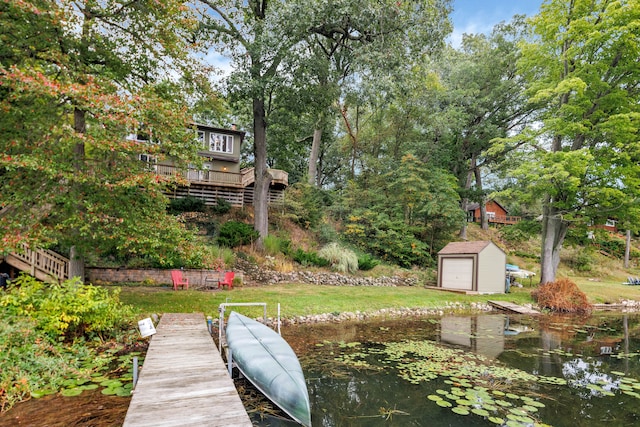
220, 175
496, 213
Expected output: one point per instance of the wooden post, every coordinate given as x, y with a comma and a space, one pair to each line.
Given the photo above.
627, 249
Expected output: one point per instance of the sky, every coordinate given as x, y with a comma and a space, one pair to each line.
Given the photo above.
479, 16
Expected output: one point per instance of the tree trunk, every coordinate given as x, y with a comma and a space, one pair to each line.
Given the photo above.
76, 264
76, 258
627, 249
465, 203
313, 157
554, 230
262, 176
484, 221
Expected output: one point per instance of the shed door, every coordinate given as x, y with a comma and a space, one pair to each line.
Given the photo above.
457, 273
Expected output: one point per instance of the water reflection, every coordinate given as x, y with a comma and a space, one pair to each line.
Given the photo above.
586, 371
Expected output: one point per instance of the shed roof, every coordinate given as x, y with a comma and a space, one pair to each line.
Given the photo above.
474, 247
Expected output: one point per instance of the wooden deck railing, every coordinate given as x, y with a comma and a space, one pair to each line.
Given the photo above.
504, 219
242, 179
40, 263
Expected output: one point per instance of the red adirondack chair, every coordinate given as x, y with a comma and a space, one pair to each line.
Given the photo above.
227, 280
178, 280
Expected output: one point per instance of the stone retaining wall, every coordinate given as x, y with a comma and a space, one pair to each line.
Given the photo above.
249, 274
254, 274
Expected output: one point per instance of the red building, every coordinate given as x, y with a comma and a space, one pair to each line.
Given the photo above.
496, 213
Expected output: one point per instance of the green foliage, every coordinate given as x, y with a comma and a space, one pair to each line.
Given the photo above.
69, 309
233, 233
221, 207
309, 258
367, 262
521, 231
32, 361
393, 241
614, 245
327, 233
583, 261
86, 186
274, 245
341, 259
305, 204
186, 204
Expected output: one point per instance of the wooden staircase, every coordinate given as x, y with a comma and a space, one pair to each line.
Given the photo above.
42, 264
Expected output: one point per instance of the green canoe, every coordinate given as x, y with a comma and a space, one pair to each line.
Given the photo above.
266, 360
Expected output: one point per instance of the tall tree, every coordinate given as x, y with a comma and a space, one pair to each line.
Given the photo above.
266, 41
582, 63
75, 79
484, 99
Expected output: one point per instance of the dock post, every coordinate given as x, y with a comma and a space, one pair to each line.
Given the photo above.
135, 371
230, 362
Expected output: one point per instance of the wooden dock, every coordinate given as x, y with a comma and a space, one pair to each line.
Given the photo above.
184, 381
512, 308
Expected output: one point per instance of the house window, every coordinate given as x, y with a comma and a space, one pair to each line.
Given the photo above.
200, 139
220, 143
149, 160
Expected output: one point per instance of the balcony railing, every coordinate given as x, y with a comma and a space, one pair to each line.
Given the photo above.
225, 179
504, 219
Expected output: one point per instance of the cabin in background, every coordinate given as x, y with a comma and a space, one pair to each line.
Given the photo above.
496, 213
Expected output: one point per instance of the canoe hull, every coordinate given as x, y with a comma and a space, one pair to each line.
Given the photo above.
268, 361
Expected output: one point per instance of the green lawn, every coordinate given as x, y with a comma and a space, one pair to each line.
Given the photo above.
300, 300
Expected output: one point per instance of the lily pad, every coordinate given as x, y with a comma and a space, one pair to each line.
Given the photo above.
89, 386
69, 392
461, 410
444, 403
480, 411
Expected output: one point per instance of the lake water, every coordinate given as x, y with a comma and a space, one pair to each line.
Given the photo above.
483, 370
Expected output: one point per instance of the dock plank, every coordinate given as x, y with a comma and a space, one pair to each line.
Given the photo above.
184, 381
512, 307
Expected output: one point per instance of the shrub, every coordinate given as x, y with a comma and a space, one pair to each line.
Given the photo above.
274, 245
562, 295
583, 261
309, 258
221, 207
388, 239
69, 310
233, 233
341, 259
305, 204
367, 262
185, 204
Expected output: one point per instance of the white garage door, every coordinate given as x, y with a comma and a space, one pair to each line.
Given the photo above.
457, 273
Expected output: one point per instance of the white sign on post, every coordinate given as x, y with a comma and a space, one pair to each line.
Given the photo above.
146, 327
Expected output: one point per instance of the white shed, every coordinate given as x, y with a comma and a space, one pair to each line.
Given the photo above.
472, 266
